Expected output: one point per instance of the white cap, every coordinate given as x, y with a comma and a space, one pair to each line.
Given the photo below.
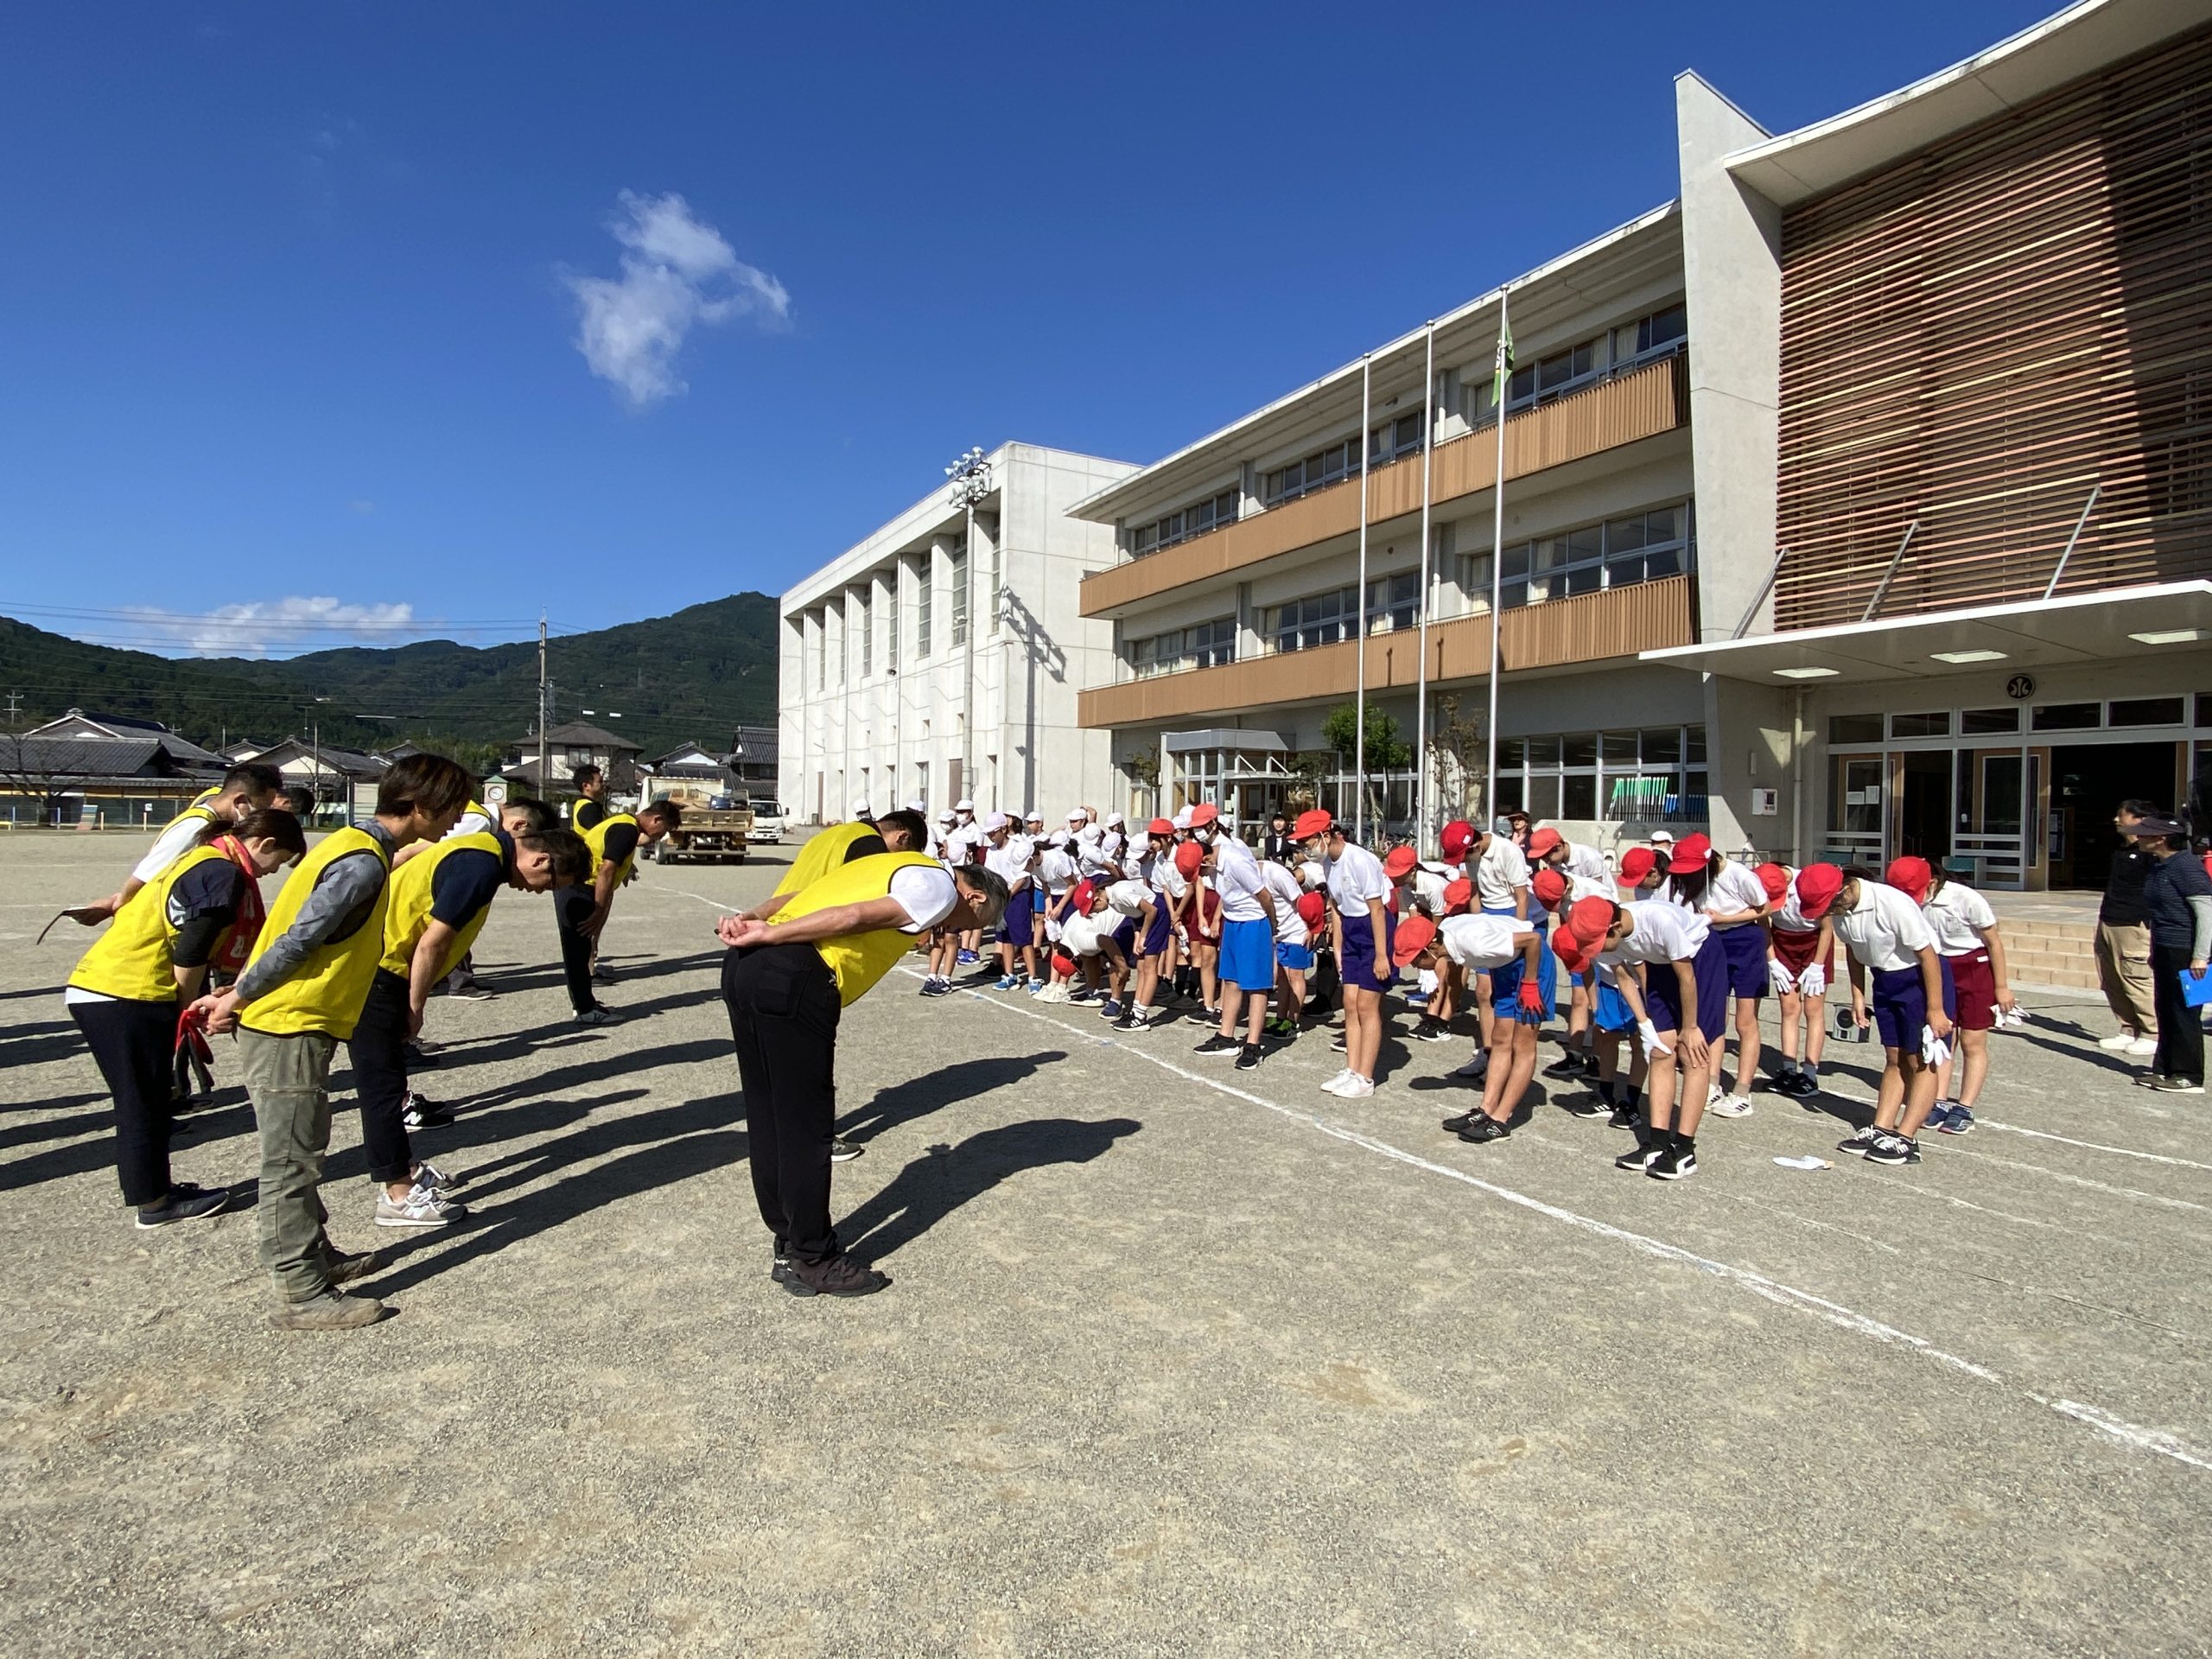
996, 821
860, 810
917, 806
1662, 839
1182, 820
946, 816
963, 805
1075, 815
1114, 821
1032, 816
1312, 874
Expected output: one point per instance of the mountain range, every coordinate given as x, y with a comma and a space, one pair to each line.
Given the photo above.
694, 675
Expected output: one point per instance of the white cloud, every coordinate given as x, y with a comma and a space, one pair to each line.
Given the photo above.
677, 272
279, 627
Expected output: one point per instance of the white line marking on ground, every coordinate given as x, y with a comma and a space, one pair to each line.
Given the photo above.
2092, 1145
2104, 1187
1835, 1313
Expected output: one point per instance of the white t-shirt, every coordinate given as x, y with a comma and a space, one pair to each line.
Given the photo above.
1579, 887
1736, 888
954, 844
1129, 898
1479, 943
1056, 870
1356, 876
1502, 867
1887, 931
1954, 911
1587, 863
1788, 915
1166, 879
926, 893
170, 846
1010, 863
1429, 882
1290, 926
1664, 931
1081, 934
1237, 878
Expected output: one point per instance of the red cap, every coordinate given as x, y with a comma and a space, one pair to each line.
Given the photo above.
1204, 813
1063, 964
1776, 880
1414, 935
1189, 856
1457, 896
1458, 835
1636, 864
1569, 950
1817, 887
1079, 899
1313, 823
1400, 861
1312, 909
1543, 841
1910, 876
1591, 920
1691, 853
1549, 887
1160, 827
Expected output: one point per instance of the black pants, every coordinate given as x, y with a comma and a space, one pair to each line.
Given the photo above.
134, 1044
2181, 1028
783, 1015
379, 1051
572, 908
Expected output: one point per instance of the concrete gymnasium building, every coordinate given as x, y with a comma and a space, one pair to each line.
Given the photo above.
1858, 502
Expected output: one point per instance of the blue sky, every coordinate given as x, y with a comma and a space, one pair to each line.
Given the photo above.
294, 293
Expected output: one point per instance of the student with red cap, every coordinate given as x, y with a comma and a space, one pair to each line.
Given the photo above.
1142, 930
1973, 954
1559, 882
1504, 949
1681, 1012
1359, 890
1801, 965
1203, 920
1640, 872
1734, 903
1298, 915
1913, 1005
1249, 918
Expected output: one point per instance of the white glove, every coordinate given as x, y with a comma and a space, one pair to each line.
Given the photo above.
1933, 1049
1813, 981
1649, 1032
2015, 1015
1778, 976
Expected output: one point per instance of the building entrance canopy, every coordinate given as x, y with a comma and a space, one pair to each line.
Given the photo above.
2128, 622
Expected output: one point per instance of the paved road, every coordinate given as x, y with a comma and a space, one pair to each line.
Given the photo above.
1178, 1359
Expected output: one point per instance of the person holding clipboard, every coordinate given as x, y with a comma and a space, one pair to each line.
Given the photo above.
2177, 894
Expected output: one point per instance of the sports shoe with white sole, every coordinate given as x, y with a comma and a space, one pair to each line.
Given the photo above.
598, 1017
417, 1112
423, 1206
1729, 1106
2119, 1040
1355, 1088
2143, 1047
182, 1202
1332, 1085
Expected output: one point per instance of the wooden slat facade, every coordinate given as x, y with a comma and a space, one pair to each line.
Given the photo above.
1589, 627
1976, 336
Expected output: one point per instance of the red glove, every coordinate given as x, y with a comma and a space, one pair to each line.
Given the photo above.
190, 1033
1532, 1003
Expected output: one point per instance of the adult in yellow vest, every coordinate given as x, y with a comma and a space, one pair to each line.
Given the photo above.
440, 902
581, 913
127, 991
903, 831
298, 999
787, 980
591, 809
245, 789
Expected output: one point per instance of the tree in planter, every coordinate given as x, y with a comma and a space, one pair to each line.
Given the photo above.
1143, 767
1387, 749
1458, 755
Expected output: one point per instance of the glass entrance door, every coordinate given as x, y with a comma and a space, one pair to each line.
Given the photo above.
1856, 793
1992, 847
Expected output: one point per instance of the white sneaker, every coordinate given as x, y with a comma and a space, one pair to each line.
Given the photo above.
2121, 1039
2143, 1047
1335, 1084
1355, 1088
1729, 1106
1713, 1095
423, 1206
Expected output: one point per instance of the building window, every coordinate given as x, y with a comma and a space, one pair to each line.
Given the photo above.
1321, 620
925, 603
1393, 439
1210, 514
1394, 602
838, 678
2145, 711
1618, 553
959, 597
1928, 725
1207, 645
867, 631
1988, 723
998, 580
1656, 774
822, 654
1854, 728
1328, 465
1617, 351
2067, 716
890, 611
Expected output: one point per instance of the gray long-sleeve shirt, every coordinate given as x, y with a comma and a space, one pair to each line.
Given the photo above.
346, 886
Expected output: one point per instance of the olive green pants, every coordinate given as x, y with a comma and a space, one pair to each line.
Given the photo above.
288, 1078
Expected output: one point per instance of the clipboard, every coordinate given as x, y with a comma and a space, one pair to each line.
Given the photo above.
2195, 992
83, 915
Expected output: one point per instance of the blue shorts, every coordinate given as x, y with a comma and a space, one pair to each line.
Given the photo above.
1662, 991
1019, 926
1505, 982
1359, 969
1160, 933
1126, 935
1248, 955
1299, 958
1612, 1012
1745, 945
1900, 1005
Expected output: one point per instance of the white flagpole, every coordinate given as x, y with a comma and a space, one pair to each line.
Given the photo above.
1359, 692
1421, 688
1497, 575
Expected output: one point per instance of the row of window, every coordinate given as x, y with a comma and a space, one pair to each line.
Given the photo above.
2121, 714
1207, 645
1654, 774
1613, 553
1191, 521
831, 662
1573, 367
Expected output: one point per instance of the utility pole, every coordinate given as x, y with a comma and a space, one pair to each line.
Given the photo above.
544, 783
15, 707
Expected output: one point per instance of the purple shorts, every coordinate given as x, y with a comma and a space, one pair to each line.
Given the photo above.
1900, 1005
1662, 991
1125, 936
1157, 934
1019, 927
1359, 969
1746, 949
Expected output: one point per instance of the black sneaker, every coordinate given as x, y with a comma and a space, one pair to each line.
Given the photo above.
182, 1202
843, 1152
1808, 1086
417, 1112
1126, 1021
1454, 1125
1891, 1149
1483, 1129
1623, 1118
839, 1276
1217, 1044
1082, 994
936, 987
780, 1264
1642, 1155
1247, 1058
1592, 1066
1431, 1030
1860, 1142
1337, 1042
1585, 1106
1675, 1163
1568, 1066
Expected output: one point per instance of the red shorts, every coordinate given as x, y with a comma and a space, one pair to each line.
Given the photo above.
1976, 983
1795, 951
1210, 916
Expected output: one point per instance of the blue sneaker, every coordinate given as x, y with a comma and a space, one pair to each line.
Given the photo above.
1009, 981
1035, 986
1110, 1009
1939, 1116
1960, 1121
968, 958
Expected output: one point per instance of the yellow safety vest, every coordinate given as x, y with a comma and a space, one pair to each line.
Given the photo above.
327, 991
133, 959
823, 854
595, 838
408, 917
858, 960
